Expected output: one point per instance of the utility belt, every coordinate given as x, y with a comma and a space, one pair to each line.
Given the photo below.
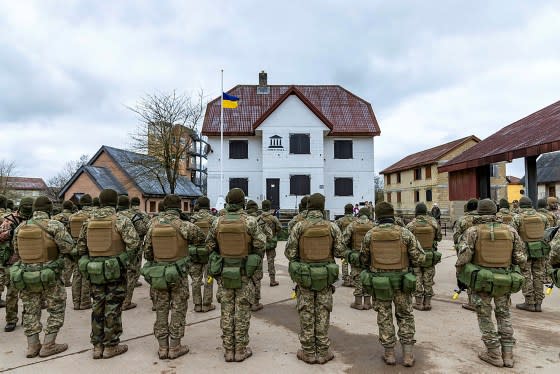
555, 275
231, 270
103, 270
313, 276
381, 285
162, 275
353, 258
538, 249
496, 282
198, 255
271, 244
433, 258
35, 277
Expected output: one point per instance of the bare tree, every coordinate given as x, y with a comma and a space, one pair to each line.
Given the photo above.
379, 188
7, 169
57, 182
168, 124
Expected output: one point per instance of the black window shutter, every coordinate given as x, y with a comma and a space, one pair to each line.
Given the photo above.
343, 187
343, 149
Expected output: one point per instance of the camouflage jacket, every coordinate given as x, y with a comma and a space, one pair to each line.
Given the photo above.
7, 229
258, 238
344, 221
349, 232
139, 219
123, 225
416, 254
64, 218
399, 221
555, 250
313, 217
467, 245
298, 218
189, 231
432, 221
518, 218
272, 222
552, 220
503, 212
462, 224
203, 215
262, 225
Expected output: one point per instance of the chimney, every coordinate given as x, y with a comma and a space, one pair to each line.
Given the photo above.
262, 79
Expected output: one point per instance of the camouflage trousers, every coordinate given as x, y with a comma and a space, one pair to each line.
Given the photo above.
199, 276
55, 297
257, 278
81, 294
491, 337
270, 256
236, 314
314, 309
533, 271
106, 322
11, 296
345, 275
171, 310
132, 276
424, 281
404, 316
69, 267
355, 277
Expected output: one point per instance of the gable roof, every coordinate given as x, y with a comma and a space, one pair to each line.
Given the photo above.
513, 180
530, 136
344, 113
428, 156
103, 178
25, 183
548, 168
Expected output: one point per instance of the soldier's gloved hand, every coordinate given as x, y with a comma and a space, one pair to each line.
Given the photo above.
461, 285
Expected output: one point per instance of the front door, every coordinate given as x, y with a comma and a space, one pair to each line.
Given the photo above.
273, 192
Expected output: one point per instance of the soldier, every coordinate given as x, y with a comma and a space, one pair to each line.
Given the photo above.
166, 250
504, 215
342, 223
555, 254
141, 220
96, 203
275, 227
8, 258
63, 217
301, 215
391, 249
543, 208
531, 225
515, 207
492, 247
236, 240
553, 207
352, 238
38, 275
199, 261
81, 296
106, 242
428, 233
3, 205
462, 224
313, 244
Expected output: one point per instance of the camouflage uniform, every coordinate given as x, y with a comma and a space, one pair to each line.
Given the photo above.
462, 225
314, 307
199, 272
503, 212
106, 323
81, 290
275, 227
297, 218
69, 265
258, 276
551, 218
554, 256
356, 270
342, 223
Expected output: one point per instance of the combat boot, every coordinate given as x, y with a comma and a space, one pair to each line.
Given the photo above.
357, 304
2, 303
50, 347
97, 351
418, 303
242, 353
163, 350
85, 306
198, 308
347, 283
128, 306
176, 349
229, 355
208, 308
308, 358
114, 350
33, 346
408, 357
538, 307
492, 356
527, 307
273, 282
323, 359
138, 284
256, 307
367, 302
10, 326
389, 356
427, 303
507, 356
469, 306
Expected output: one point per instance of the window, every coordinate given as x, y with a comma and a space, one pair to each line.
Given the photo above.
152, 206
399, 177
494, 172
299, 144
185, 206
242, 183
343, 187
417, 174
238, 149
388, 197
428, 195
300, 184
416, 196
398, 196
388, 179
343, 149
428, 172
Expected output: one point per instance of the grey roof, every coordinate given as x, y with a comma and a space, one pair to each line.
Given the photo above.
548, 168
104, 178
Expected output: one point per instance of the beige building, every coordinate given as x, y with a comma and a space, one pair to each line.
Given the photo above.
415, 179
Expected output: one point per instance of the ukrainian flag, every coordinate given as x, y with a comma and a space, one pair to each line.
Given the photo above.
229, 101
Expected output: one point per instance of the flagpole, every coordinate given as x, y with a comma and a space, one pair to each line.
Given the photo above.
222, 137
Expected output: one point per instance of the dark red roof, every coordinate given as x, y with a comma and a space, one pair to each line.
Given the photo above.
340, 110
530, 136
24, 183
428, 156
513, 180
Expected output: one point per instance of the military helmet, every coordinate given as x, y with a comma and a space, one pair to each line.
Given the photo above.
472, 205
3, 202
525, 202
486, 207
235, 196
251, 206
10, 204
203, 202
26, 207
172, 201
135, 201
266, 205
108, 197
42, 204
384, 209
348, 209
316, 202
85, 200
160, 206
541, 204
420, 209
504, 204
364, 212
67, 204
123, 202
95, 201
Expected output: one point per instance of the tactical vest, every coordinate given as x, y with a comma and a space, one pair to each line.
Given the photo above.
76, 222
168, 243
232, 236
507, 218
360, 230
204, 225
424, 233
35, 245
267, 218
387, 250
315, 243
344, 223
103, 239
532, 228
550, 218
494, 246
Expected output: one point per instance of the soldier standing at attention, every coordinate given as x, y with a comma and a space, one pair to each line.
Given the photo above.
238, 244
166, 250
199, 260
64, 218
342, 223
141, 221
428, 233
39, 243
275, 227
531, 225
106, 242
2, 214
504, 215
389, 251
301, 215
492, 247
312, 246
352, 238
543, 208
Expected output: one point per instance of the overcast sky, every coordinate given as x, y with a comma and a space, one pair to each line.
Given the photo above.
433, 71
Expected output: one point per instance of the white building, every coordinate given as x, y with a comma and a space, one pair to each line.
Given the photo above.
286, 141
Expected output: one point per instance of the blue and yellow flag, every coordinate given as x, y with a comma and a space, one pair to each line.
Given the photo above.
229, 101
